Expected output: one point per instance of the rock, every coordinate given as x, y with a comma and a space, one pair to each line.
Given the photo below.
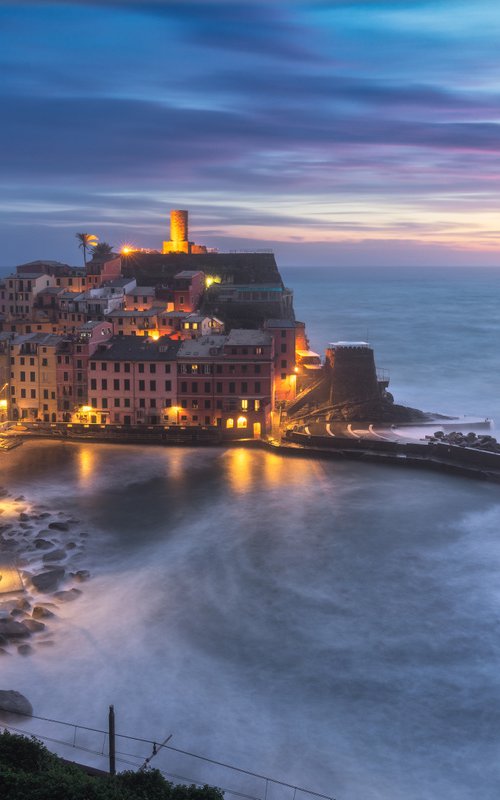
25, 650
12, 629
48, 581
81, 575
20, 499
25, 526
23, 516
3, 652
42, 544
55, 555
46, 643
3, 641
15, 703
71, 546
44, 515
41, 612
33, 626
17, 612
23, 603
59, 526
68, 595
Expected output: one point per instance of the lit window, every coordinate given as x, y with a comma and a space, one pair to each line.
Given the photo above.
242, 422
244, 405
230, 423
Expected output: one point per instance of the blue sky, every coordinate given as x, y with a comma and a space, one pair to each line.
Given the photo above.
335, 133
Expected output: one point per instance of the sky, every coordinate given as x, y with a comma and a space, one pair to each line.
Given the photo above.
335, 132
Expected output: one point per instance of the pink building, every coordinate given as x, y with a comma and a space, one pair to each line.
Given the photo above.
188, 287
133, 381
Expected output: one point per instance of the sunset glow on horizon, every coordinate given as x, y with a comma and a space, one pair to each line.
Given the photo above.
332, 132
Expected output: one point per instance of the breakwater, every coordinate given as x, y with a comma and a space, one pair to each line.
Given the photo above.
440, 456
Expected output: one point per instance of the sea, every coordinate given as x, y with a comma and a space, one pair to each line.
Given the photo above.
332, 626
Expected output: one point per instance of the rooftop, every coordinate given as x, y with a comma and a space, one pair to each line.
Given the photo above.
137, 348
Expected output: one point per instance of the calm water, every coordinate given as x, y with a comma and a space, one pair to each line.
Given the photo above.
336, 626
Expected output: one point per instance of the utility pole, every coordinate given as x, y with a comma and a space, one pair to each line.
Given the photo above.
111, 729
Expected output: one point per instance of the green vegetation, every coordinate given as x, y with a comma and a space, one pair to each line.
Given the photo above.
28, 771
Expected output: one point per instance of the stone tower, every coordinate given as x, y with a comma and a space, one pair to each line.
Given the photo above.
354, 389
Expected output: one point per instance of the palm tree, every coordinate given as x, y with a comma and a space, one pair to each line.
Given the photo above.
101, 250
87, 240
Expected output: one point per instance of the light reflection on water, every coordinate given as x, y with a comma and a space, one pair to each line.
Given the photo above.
335, 625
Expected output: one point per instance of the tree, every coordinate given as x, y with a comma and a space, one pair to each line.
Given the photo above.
87, 240
101, 250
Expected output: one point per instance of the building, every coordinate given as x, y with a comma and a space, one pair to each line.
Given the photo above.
285, 376
227, 381
133, 381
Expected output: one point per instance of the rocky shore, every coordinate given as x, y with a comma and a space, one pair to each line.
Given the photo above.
45, 549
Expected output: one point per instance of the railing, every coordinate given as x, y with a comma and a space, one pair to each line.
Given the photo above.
174, 763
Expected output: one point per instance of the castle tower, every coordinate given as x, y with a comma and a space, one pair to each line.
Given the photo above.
178, 233
354, 388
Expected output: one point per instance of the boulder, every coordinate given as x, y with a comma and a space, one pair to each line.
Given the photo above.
33, 626
41, 612
67, 596
24, 517
15, 703
59, 526
81, 575
42, 544
48, 581
55, 555
12, 629
25, 650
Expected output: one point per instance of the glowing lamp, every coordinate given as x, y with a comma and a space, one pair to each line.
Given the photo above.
127, 249
3, 403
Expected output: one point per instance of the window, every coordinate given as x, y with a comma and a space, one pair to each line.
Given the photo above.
23, 392
218, 387
116, 384
283, 376
167, 368
184, 386
22, 376
194, 404
244, 387
152, 386
126, 367
256, 405
258, 351
230, 423
33, 393
168, 386
152, 368
207, 369
232, 387
257, 369
283, 348
142, 386
218, 369
184, 403
93, 383
45, 394
207, 387
194, 369
92, 365
45, 362
104, 402
242, 422
126, 385
283, 334
104, 383
126, 402
168, 403
244, 405
141, 367
283, 363
142, 402
104, 366
194, 387
116, 366
117, 402
207, 403
33, 377
257, 386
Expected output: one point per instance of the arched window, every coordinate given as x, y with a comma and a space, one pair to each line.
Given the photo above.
242, 422
230, 423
